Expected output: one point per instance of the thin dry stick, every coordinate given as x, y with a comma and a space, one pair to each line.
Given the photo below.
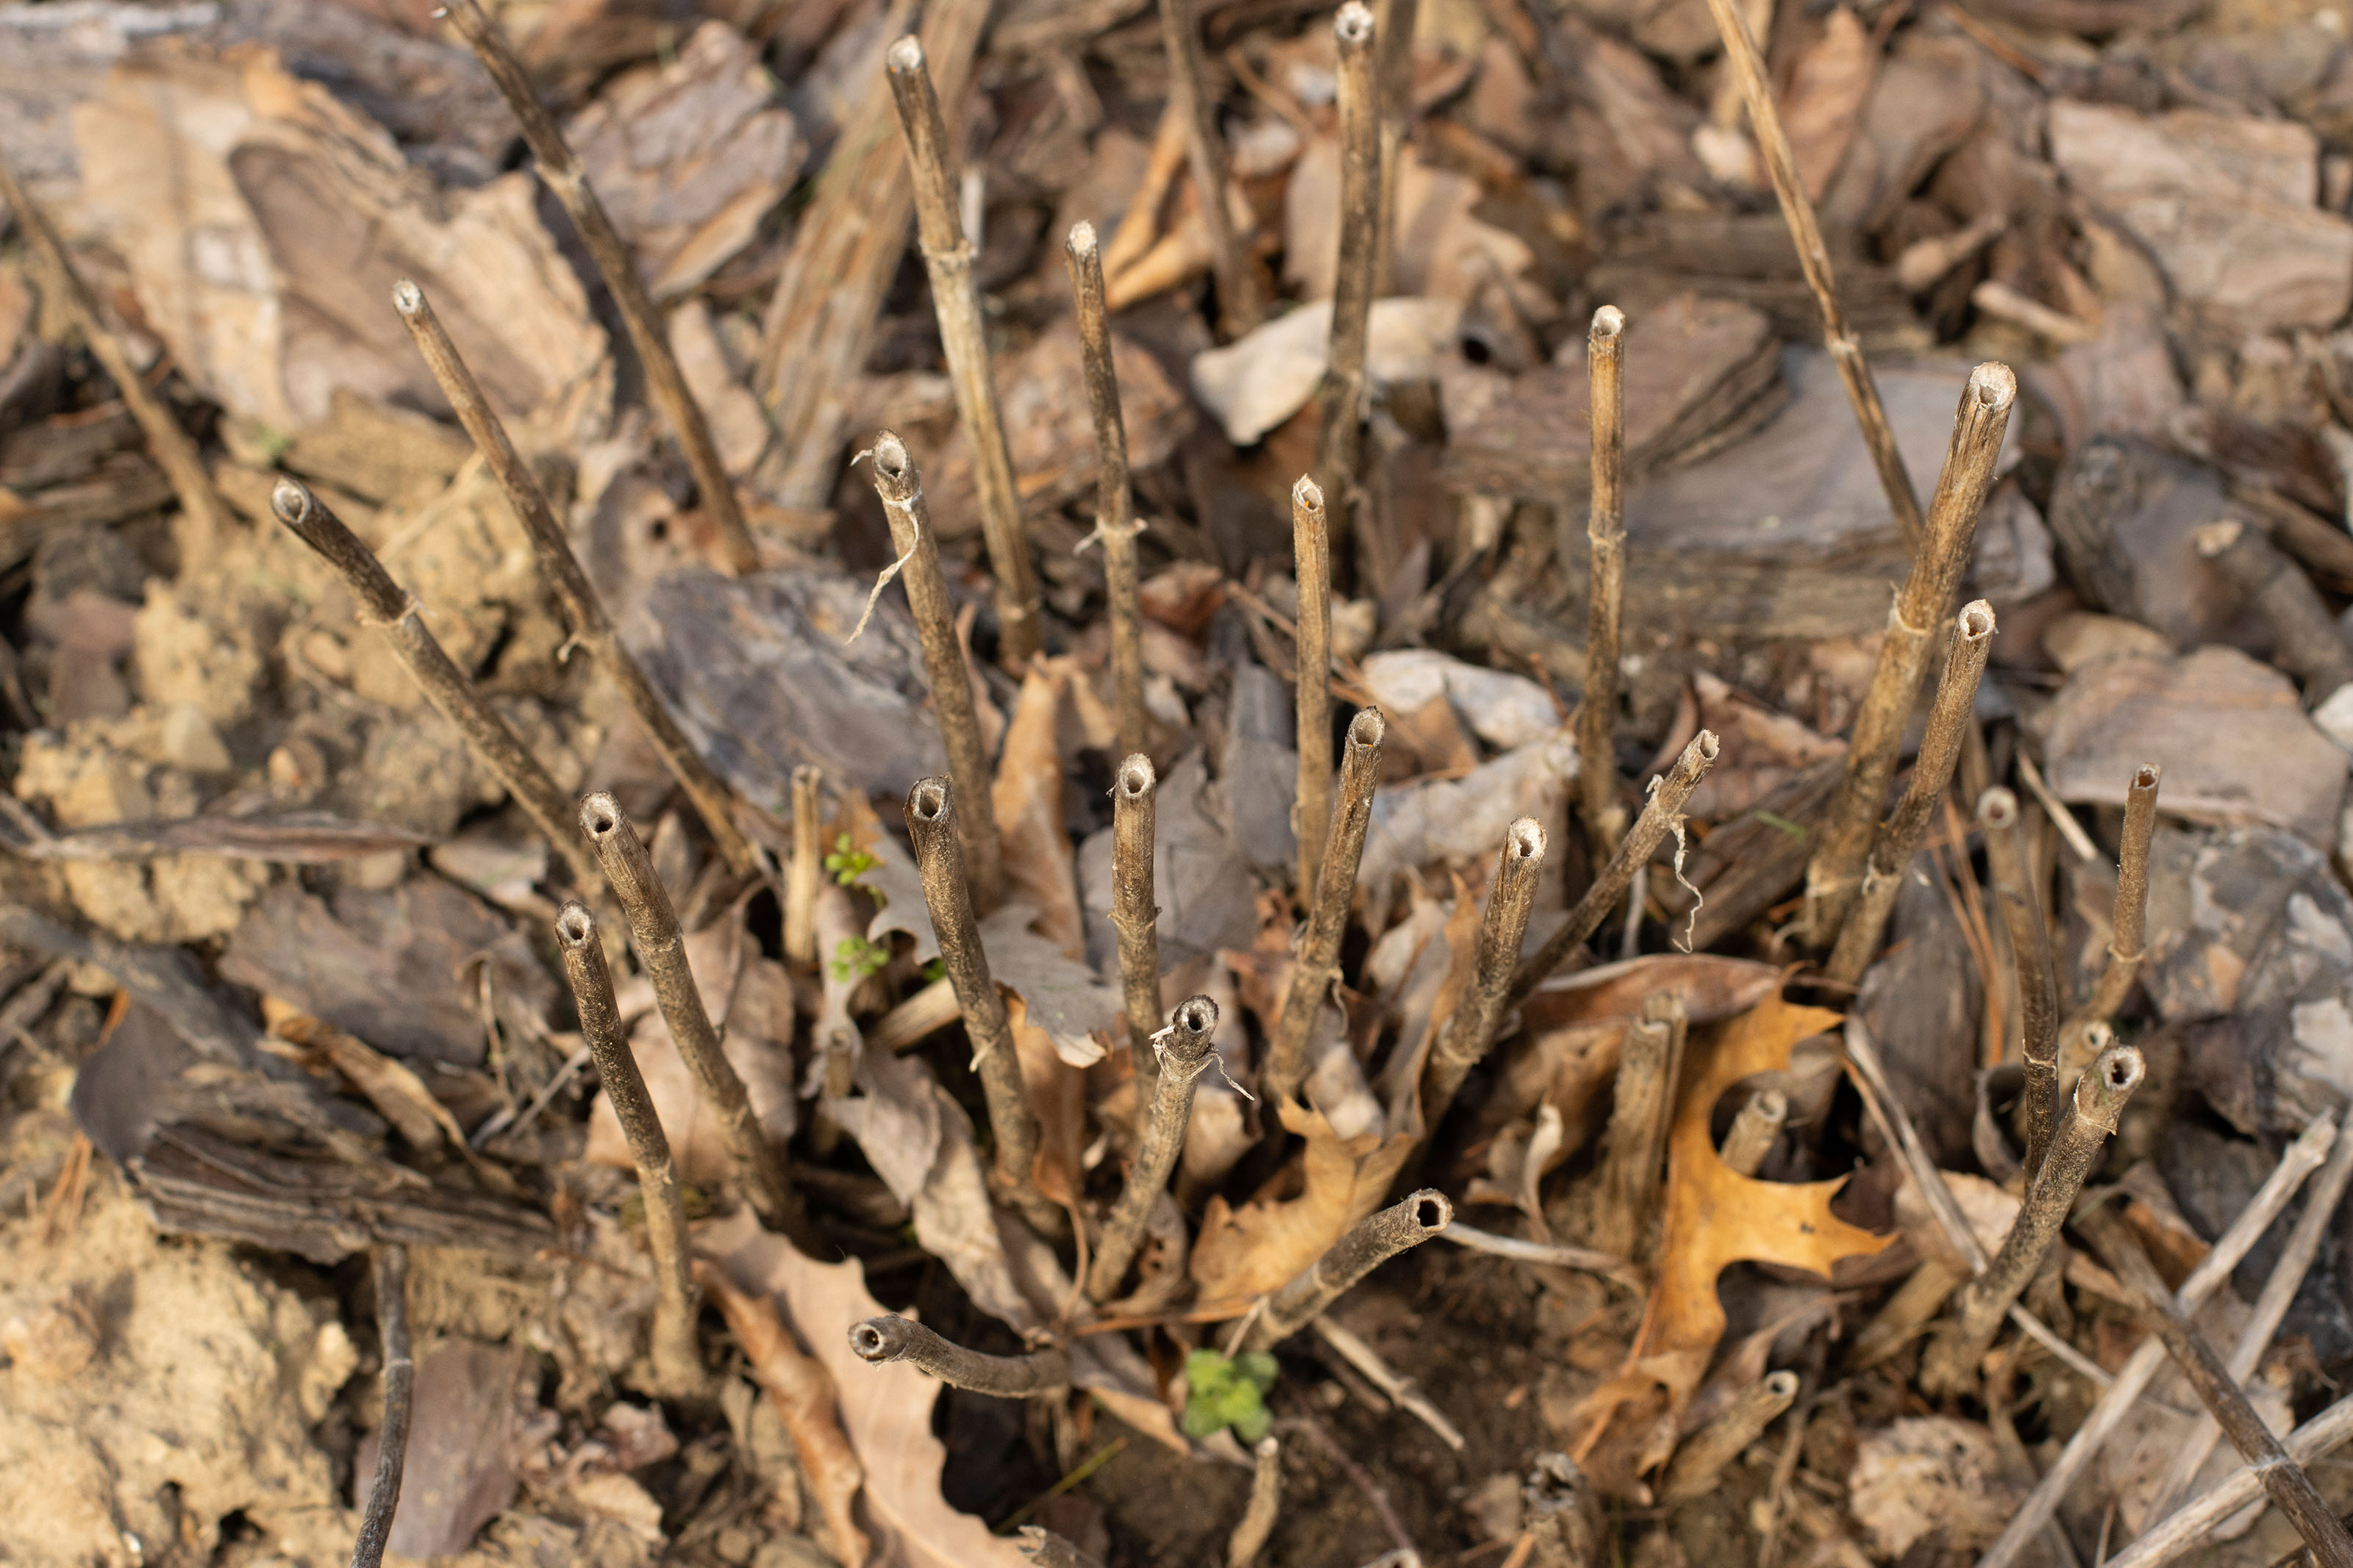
399, 1401
932, 807
1205, 155
1627, 1186
1363, 1247
2284, 1479
1339, 444
2194, 1524
807, 873
661, 950
385, 605
1315, 962
1115, 522
665, 382
1393, 23
1703, 1454
1471, 1031
2129, 926
1134, 914
879, 1340
1950, 718
1753, 1132
1186, 1048
676, 1359
901, 488
1605, 527
1741, 53
963, 338
1836, 870
1311, 550
1663, 815
1250, 1536
2029, 949
1546, 1253
173, 449
1950, 1365
550, 549
2300, 1159
1353, 1349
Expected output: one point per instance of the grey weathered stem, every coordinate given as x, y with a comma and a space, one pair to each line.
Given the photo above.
1950, 1365
2029, 949
806, 875
385, 605
550, 549
1250, 1536
1471, 1031
1950, 718
955, 300
173, 449
1205, 156
2283, 1479
2305, 640
2193, 1525
932, 809
1702, 1456
1393, 23
676, 1359
2129, 924
1190, 1047
1351, 1348
2300, 1159
901, 488
1339, 444
1365, 1247
665, 382
1605, 527
1315, 960
391, 1262
661, 950
1834, 873
1311, 550
1747, 65
1134, 914
1627, 1188
1546, 1253
1115, 523
878, 1340
1753, 1131
1662, 814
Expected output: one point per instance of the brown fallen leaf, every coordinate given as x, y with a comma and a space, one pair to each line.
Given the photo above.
1712, 988
1027, 796
1826, 97
1058, 1094
1242, 1254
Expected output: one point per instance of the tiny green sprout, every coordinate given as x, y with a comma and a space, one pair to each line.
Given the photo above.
855, 958
848, 862
1222, 1390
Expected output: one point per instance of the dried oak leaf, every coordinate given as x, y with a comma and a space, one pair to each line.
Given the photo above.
1028, 801
1242, 1254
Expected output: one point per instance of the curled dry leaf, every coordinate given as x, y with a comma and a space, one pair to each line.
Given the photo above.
1058, 1094
1028, 797
1240, 1254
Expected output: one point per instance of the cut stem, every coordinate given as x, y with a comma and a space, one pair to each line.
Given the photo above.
1189, 1047
1470, 1033
1628, 1187
1315, 962
1753, 1131
955, 300
551, 548
806, 875
665, 382
1367, 1245
1115, 523
661, 952
879, 1340
399, 1402
1702, 1456
1597, 728
901, 488
1339, 444
1835, 872
2029, 949
2129, 924
1250, 1536
1205, 154
1311, 550
676, 1359
1133, 913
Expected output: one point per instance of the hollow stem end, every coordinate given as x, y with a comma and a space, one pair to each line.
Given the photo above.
407, 298
906, 56
1608, 322
930, 800
1136, 779
575, 928
1523, 841
1997, 809
600, 816
1977, 621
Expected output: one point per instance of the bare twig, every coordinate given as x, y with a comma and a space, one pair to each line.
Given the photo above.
1186, 1052
1393, 24
1115, 523
1205, 154
1363, 1247
2029, 948
1753, 1131
1950, 1365
1250, 1536
955, 300
1471, 1031
399, 1398
806, 875
385, 605
1339, 444
661, 950
1627, 1188
1353, 1349
551, 548
2129, 924
174, 449
2305, 641
1315, 962
1832, 876
901, 488
2194, 1524
1661, 816
878, 1340
1605, 525
1310, 549
1133, 913
1702, 1456
1544, 1252
1932, 772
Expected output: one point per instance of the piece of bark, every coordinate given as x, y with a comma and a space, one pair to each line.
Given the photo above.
2123, 515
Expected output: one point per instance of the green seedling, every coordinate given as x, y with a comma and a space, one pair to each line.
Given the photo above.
1222, 1390
855, 958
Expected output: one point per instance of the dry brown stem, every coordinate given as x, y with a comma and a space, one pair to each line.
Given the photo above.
1367, 1245
1310, 549
1315, 960
551, 548
1702, 1456
963, 338
879, 1341
2194, 1524
2306, 642
391, 1261
1115, 523
1250, 1536
1605, 526
2030, 951
1628, 1184
1133, 913
1471, 1031
1753, 1131
806, 875
1833, 875
1351, 1348
1339, 444
2129, 923
1205, 154
665, 382
1394, 22
1188, 1048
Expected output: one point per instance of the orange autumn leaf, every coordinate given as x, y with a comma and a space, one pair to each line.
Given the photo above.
1242, 1254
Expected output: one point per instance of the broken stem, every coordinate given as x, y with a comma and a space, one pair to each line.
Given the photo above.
901, 488
1310, 550
1605, 526
1950, 718
2030, 951
1753, 1131
879, 1340
1662, 814
806, 874
666, 384
1205, 154
2129, 926
1250, 1536
1365, 1247
1115, 522
676, 1359
1315, 962
1339, 443
1187, 1054
955, 300
1702, 1456
1133, 913
391, 1261
1627, 1188
551, 548
1471, 1031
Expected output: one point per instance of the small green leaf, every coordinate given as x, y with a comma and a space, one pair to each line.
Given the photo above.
1255, 1426
1258, 1367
